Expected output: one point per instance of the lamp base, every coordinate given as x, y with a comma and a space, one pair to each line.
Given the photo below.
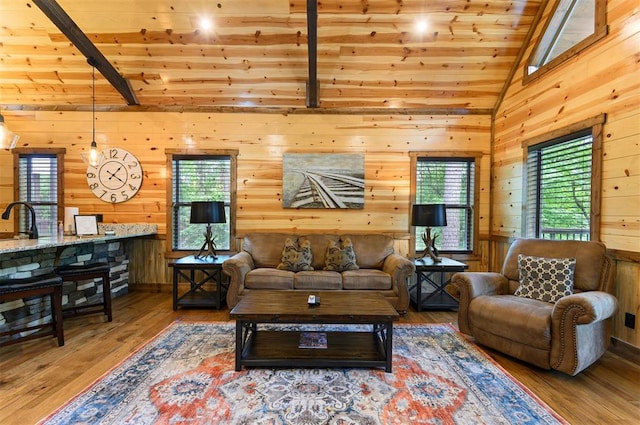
209, 244
430, 249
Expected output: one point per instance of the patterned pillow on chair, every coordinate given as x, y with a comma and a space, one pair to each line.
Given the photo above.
296, 258
340, 258
545, 279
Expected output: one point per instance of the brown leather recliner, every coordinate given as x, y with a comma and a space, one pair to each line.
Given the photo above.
568, 335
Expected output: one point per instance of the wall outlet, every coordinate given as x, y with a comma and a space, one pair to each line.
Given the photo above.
630, 320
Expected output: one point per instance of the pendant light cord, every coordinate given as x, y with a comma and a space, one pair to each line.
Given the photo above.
93, 95
94, 159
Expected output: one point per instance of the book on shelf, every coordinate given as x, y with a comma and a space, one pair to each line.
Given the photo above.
313, 340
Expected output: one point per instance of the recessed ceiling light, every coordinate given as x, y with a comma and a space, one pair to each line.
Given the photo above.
205, 24
421, 25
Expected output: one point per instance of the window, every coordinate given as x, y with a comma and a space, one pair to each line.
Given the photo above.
200, 178
573, 26
38, 184
451, 181
563, 182
559, 189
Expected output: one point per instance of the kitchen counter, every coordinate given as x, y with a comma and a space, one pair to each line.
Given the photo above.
122, 231
22, 258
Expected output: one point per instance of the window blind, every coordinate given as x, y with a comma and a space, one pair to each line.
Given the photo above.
558, 189
38, 185
199, 178
450, 181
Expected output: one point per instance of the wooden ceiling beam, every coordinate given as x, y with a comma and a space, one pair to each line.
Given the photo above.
252, 110
313, 100
63, 21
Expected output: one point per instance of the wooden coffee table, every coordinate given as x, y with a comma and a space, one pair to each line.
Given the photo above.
278, 346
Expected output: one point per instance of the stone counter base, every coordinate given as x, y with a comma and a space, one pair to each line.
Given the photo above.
31, 263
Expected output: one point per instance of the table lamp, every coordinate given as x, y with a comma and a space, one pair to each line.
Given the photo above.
208, 212
429, 215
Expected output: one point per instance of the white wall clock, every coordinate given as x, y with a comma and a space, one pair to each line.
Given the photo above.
117, 177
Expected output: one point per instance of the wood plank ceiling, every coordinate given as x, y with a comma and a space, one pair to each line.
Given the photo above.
369, 54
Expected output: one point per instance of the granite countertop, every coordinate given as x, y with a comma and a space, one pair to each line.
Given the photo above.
121, 231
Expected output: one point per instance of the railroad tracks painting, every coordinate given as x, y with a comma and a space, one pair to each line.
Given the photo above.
323, 181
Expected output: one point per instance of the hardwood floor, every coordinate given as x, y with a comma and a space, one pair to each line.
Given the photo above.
36, 377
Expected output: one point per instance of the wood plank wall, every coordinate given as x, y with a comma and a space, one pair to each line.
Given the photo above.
261, 140
601, 80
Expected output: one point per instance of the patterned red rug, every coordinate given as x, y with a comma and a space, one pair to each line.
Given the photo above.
186, 375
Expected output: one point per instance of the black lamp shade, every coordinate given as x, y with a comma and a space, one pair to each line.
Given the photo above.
208, 212
429, 215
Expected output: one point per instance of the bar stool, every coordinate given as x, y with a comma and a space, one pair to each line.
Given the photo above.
35, 286
79, 272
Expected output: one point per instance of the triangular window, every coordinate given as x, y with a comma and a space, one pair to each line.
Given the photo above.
574, 25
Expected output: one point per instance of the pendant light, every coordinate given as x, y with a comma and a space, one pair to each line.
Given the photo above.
8, 139
94, 156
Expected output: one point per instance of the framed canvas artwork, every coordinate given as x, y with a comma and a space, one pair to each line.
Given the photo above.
323, 181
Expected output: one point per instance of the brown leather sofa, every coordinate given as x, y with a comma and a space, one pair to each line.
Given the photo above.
380, 269
568, 335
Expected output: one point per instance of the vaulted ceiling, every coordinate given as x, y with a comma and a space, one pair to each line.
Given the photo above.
261, 53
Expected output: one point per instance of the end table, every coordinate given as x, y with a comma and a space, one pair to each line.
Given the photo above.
426, 272
197, 296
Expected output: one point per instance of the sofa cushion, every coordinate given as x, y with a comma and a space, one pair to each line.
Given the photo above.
269, 278
318, 280
296, 257
371, 249
340, 257
545, 279
265, 248
523, 320
366, 279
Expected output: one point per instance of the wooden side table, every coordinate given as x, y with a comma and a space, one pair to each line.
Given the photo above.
426, 272
197, 295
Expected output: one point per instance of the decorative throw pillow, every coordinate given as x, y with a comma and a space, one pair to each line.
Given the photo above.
545, 279
340, 258
296, 258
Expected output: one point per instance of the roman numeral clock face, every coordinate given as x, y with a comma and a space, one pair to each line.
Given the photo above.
117, 178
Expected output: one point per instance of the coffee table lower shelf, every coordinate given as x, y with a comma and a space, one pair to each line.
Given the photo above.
276, 348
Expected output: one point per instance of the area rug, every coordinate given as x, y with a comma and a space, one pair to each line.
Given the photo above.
186, 375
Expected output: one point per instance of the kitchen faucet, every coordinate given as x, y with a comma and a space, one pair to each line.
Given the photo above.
33, 232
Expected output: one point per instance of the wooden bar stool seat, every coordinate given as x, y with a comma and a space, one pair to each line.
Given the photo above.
80, 272
35, 286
